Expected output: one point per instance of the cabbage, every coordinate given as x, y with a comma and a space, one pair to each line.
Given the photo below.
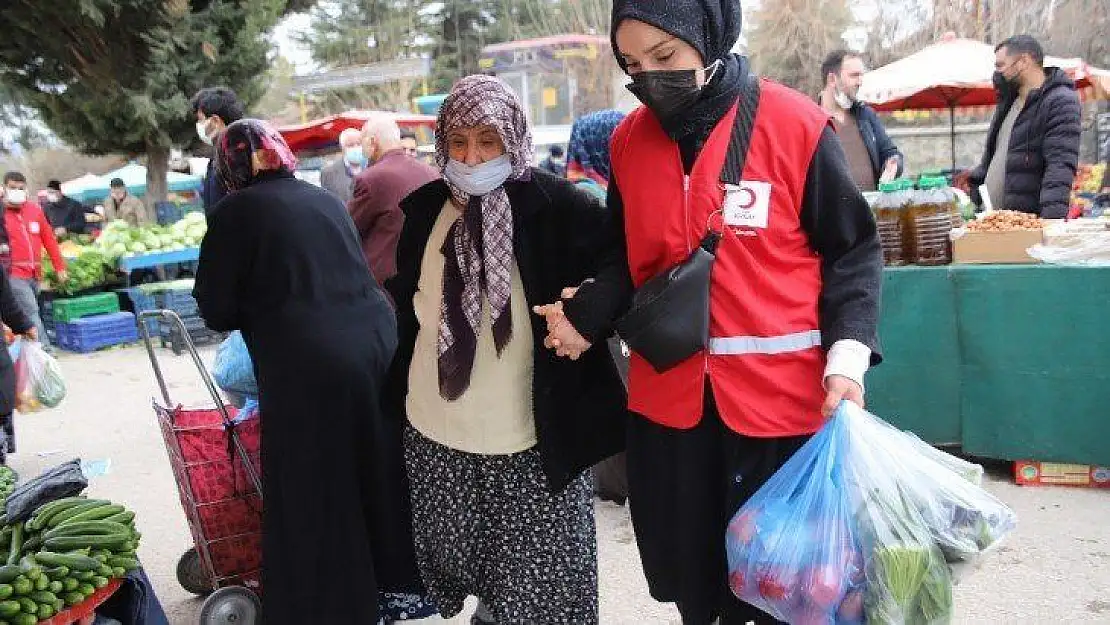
117, 250
196, 231
137, 248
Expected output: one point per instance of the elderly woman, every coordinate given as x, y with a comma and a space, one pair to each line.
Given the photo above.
282, 263
500, 431
793, 295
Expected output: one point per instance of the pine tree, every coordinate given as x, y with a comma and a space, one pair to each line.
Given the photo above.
115, 76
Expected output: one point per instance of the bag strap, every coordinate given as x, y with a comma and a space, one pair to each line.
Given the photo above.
741, 138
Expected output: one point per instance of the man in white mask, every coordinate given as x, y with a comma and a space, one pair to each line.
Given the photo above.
24, 234
339, 176
872, 156
214, 109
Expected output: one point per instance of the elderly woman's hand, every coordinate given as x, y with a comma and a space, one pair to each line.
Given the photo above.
562, 336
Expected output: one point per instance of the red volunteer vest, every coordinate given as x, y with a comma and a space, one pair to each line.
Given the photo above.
765, 363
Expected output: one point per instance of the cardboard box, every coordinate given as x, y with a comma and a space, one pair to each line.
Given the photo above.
989, 248
1028, 473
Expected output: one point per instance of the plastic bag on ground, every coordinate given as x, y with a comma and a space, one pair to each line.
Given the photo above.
39, 380
233, 369
860, 526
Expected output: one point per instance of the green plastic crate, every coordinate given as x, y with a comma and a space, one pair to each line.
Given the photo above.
67, 310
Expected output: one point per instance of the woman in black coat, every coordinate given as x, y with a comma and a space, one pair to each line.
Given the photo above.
13, 317
500, 431
282, 263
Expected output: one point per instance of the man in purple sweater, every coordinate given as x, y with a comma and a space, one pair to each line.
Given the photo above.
378, 192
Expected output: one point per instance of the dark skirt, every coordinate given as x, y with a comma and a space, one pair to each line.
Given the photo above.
684, 487
489, 526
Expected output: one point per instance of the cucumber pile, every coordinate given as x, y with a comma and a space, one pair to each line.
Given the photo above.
8, 478
69, 549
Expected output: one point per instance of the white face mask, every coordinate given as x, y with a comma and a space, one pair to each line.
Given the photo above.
202, 132
53, 197
482, 178
16, 197
843, 100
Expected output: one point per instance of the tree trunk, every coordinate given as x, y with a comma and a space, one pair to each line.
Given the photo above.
157, 165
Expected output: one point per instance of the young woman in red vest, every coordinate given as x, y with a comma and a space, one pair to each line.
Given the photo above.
794, 294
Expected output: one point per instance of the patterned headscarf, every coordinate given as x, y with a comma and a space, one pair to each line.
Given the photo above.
479, 247
248, 149
589, 146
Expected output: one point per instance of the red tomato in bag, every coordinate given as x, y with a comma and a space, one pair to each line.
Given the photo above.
824, 585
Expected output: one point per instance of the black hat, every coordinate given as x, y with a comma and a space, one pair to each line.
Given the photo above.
556, 151
55, 185
117, 182
712, 27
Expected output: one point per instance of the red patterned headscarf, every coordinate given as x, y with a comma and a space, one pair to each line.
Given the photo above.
249, 149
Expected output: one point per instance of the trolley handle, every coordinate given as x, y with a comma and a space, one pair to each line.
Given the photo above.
172, 317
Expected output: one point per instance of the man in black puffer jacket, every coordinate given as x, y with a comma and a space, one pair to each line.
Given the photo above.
1032, 148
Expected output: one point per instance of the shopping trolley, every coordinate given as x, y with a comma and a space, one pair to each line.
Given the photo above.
216, 465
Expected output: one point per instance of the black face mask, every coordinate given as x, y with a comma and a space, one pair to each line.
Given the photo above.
669, 92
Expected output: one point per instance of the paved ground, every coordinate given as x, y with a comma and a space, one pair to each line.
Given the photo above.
1054, 569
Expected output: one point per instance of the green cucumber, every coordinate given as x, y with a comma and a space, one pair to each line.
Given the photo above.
124, 517
28, 605
73, 598
104, 571
100, 581
44, 596
86, 528
94, 514
30, 568
6, 591
45, 512
42, 583
23, 586
64, 543
57, 573
33, 544
26, 618
17, 544
83, 576
59, 605
119, 572
69, 513
10, 608
9, 572
123, 562
75, 562
56, 587
69, 584
86, 589
45, 611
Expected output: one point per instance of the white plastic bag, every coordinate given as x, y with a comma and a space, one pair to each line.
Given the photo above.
39, 380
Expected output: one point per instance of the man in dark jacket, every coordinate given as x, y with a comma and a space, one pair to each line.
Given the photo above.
872, 156
1032, 148
215, 108
65, 214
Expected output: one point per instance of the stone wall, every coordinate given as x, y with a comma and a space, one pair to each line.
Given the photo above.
930, 148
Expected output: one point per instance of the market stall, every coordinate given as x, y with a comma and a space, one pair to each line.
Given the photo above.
1009, 361
323, 134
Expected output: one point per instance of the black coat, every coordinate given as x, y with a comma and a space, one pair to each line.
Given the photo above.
1044, 148
282, 262
13, 317
580, 406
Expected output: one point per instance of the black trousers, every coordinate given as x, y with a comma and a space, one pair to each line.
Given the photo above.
684, 488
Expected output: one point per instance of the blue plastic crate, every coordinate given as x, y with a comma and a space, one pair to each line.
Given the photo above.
142, 301
92, 333
180, 301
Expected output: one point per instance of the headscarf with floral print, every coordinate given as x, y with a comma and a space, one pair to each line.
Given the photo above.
250, 149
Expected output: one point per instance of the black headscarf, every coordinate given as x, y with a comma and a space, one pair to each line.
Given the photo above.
712, 27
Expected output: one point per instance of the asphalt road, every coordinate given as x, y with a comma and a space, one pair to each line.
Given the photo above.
1054, 569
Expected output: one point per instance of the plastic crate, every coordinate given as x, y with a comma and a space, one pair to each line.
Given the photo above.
92, 333
180, 301
66, 310
198, 332
141, 301
46, 313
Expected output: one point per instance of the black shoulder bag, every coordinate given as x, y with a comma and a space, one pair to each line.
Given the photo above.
668, 320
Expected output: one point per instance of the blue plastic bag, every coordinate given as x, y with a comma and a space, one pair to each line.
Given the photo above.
233, 369
860, 526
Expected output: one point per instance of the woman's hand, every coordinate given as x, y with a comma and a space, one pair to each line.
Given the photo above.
840, 388
562, 336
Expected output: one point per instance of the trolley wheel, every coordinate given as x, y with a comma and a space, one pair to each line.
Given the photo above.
233, 605
191, 574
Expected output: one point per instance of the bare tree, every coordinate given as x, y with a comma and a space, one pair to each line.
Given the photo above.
790, 38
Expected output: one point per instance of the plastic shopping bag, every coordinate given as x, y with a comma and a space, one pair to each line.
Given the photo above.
39, 381
857, 526
233, 369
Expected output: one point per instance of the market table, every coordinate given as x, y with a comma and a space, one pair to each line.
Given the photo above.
1009, 361
157, 261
